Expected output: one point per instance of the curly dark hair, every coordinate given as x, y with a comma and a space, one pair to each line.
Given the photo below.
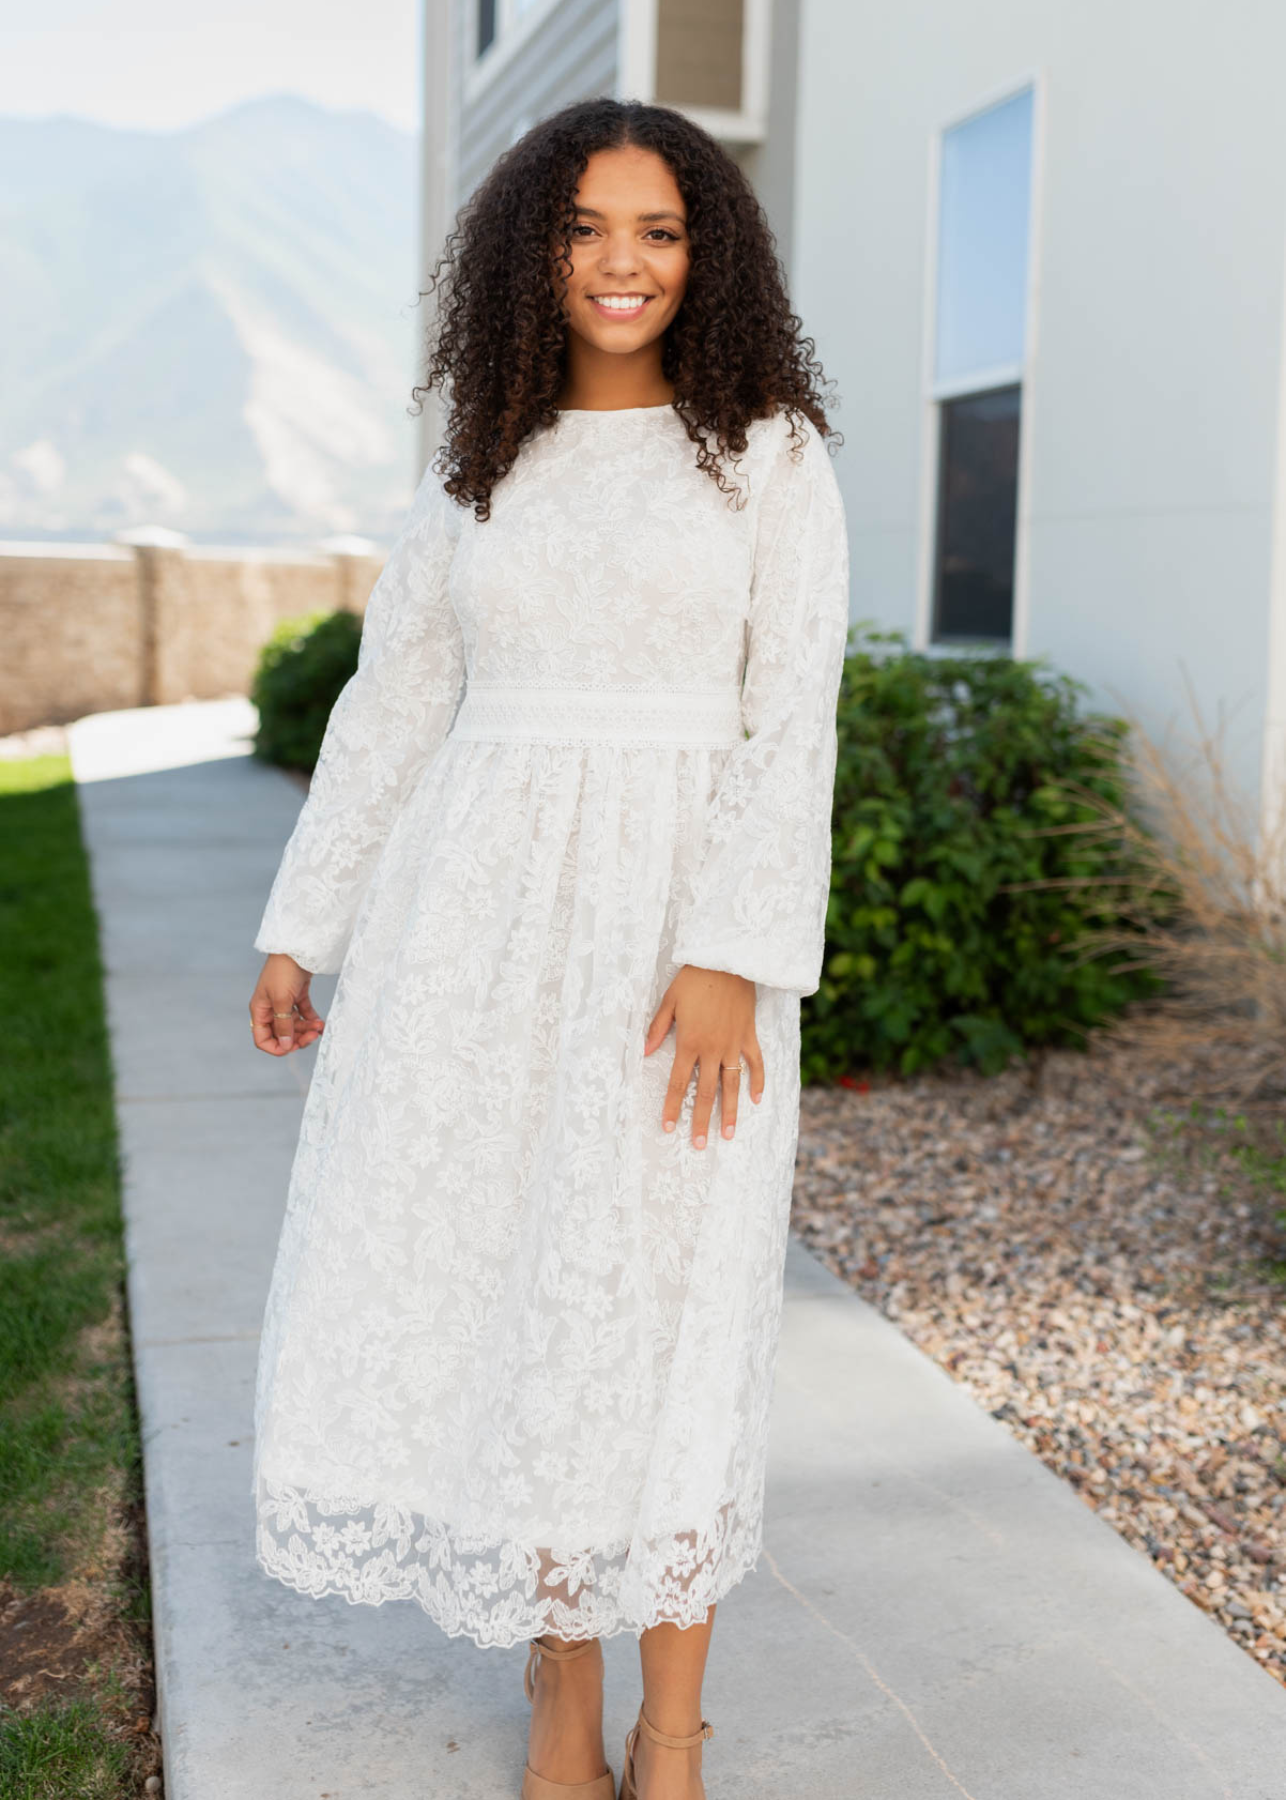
733, 352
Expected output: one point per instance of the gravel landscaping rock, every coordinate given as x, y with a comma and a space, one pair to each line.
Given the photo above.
1101, 1276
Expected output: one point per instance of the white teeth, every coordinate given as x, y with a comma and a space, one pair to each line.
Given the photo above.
621, 302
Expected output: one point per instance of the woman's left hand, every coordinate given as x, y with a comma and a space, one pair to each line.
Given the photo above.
713, 1014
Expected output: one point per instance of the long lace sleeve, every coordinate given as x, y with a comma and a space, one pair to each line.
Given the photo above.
758, 907
384, 728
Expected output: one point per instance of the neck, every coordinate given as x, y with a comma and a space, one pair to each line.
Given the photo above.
603, 379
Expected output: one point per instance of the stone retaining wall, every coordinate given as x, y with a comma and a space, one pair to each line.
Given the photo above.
92, 627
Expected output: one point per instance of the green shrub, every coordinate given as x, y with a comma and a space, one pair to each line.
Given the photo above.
967, 873
301, 671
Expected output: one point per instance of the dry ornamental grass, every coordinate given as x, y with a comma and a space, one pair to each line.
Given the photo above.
1216, 859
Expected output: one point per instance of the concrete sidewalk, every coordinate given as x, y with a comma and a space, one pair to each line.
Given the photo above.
935, 1615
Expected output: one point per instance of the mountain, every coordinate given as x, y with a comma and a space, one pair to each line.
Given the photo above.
213, 329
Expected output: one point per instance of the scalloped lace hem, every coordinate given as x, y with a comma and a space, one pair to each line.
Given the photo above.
490, 1593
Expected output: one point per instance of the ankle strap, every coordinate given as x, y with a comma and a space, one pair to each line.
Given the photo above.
561, 1653
674, 1743
555, 1654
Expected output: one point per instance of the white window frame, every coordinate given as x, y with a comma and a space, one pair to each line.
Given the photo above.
636, 70
513, 29
934, 392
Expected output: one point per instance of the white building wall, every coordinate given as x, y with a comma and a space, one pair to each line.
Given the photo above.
1151, 412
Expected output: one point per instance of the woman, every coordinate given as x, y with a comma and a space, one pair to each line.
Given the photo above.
568, 846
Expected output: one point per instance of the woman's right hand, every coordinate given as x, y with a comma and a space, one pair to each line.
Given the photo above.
282, 1017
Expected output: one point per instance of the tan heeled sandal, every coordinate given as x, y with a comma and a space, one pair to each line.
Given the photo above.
628, 1789
536, 1787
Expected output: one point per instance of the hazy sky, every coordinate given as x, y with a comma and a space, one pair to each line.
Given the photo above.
157, 64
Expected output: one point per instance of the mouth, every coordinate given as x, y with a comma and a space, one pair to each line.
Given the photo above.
620, 306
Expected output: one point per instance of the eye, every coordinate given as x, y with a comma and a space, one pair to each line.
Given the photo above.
671, 237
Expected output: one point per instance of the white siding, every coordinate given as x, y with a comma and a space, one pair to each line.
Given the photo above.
570, 55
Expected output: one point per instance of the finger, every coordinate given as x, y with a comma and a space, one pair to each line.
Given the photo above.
285, 1024
312, 1020
304, 1001
680, 1076
707, 1088
729, 1094
261, 1023
754, 1057
660, 1024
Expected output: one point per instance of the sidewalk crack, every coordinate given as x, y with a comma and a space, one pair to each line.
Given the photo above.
872, 1672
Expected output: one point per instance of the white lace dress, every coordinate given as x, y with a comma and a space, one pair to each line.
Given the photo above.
519, 1346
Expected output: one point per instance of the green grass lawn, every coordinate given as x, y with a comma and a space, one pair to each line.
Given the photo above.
75, 1679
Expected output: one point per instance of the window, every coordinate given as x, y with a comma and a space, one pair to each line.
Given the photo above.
486, 25
504, 20
979, 351
699, 53
977, 513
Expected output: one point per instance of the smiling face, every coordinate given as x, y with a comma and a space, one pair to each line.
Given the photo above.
630, 256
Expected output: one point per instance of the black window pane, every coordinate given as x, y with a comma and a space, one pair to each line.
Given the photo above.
486, 23
977, 514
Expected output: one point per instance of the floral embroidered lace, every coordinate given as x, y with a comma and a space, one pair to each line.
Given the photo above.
518, 1351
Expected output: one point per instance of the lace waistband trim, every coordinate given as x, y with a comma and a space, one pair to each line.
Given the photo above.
636, 717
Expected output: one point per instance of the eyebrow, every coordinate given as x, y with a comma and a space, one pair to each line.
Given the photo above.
592, 212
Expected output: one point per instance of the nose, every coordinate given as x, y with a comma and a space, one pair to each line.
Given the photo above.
619, 254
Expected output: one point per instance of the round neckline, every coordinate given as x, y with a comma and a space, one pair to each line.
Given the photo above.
594, 412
